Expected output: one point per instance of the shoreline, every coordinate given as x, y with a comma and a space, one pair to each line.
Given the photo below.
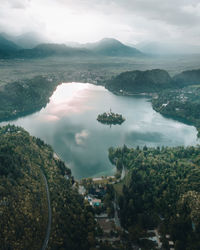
151, 96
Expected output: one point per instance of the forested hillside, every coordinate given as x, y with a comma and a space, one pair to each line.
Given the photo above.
136, 82
24, 161
151, 81
188, 77
25, 96
162, 190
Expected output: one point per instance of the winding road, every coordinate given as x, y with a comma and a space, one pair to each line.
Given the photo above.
116, 218
123, 173
46, 240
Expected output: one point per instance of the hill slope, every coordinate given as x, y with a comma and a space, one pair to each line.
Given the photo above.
23, 97
161, 191
23, 200
189, 77
112, 47
106, 47
140, 81
27, 40
51, 49
7, 48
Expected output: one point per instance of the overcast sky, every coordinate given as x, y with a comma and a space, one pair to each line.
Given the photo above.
90, 20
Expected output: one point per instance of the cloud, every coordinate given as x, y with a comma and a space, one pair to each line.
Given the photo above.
15, 4
81, 137
91, 20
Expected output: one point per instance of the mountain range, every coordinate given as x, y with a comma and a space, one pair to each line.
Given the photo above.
26, 40
107, 47
7, 47
32, 44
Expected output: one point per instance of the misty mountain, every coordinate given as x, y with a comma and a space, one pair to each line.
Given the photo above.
7, 48
108, 47
51, 49
105, 47
75, 44
7, 45
161, 48
27, 40
112, 47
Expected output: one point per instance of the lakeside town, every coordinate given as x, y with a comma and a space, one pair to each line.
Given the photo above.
101, 195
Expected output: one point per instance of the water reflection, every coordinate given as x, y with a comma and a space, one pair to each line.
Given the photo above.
69, 124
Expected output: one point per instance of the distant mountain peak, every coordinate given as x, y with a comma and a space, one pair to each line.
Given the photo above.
113, 47
5, 44
26, 40
108, 47
110, 40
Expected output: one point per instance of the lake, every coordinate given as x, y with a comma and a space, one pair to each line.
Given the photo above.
68, 123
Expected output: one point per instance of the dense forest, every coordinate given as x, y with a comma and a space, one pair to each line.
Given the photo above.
23, 197
151, 81
110, 118
25, 96
188, 77
161, 190
136, 82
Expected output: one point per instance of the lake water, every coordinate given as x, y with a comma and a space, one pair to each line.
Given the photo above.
68, 123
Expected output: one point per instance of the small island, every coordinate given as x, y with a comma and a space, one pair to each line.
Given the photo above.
110, 118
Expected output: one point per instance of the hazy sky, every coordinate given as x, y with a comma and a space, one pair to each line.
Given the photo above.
90, 20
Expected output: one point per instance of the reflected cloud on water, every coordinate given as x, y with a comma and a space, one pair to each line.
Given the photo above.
68, 123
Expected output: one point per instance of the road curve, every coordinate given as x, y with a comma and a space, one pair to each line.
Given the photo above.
116, 217
46, 240
122, 173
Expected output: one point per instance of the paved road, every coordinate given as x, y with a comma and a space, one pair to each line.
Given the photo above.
46, 240
117, 221
123, 173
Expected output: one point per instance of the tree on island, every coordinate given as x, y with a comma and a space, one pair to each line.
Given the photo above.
110, 118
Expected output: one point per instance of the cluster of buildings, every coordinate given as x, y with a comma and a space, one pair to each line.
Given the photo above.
156, 237
95, 195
